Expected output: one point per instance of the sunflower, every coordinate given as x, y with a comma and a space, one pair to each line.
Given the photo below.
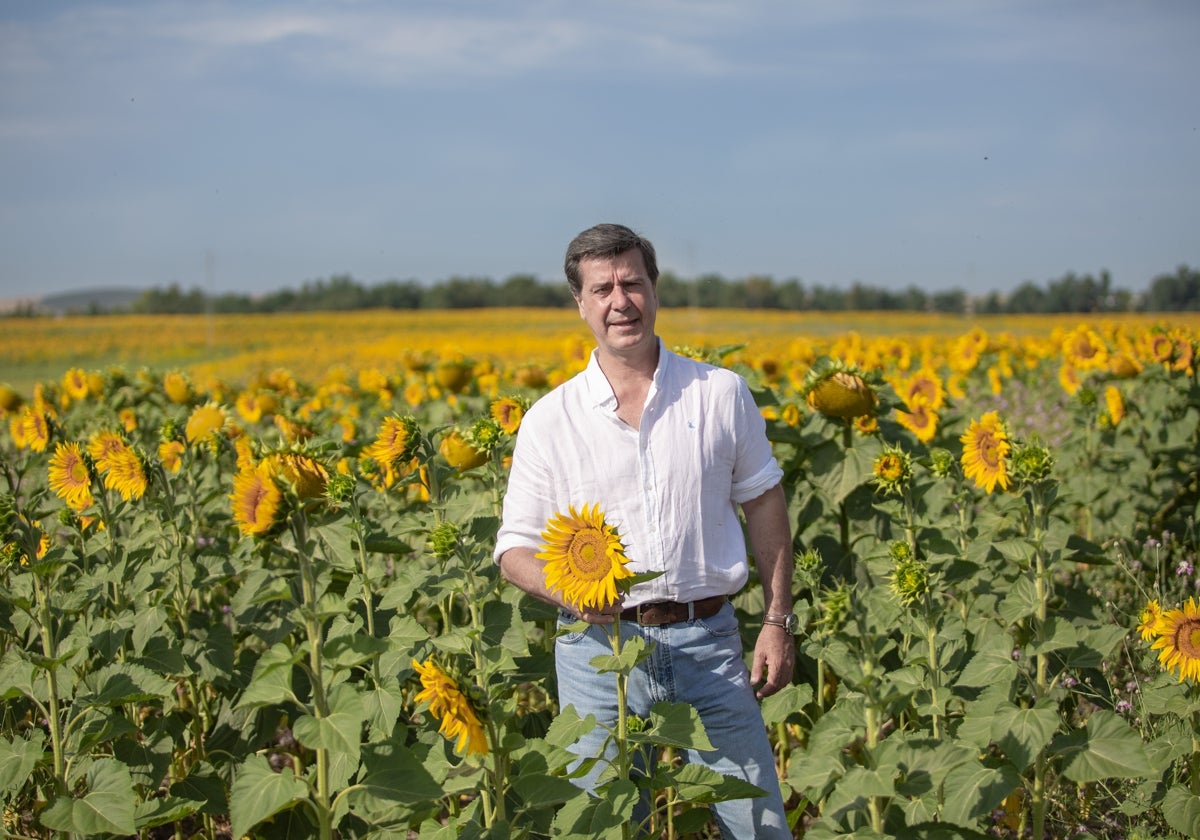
892, 470
1115, 405
205, 424
170, 452
461, 453
839, 391
910, 578
985, 452
1068, 378
305, 474
1178, 642
257, 502
920, 419
125, 474
1151, 615
104, 446
75, 383
70, 476
35, 426
447, 702
1084, 349
396, 443
128, 418
508, 412
584, 557
177, 388
924, 385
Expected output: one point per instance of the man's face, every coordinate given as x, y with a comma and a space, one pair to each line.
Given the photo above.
619, 303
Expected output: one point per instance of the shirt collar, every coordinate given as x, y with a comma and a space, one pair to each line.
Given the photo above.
601, 391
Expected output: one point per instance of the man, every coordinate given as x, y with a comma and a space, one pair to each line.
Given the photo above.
666, 446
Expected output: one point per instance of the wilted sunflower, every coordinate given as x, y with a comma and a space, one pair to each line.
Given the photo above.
257, 502
447, 702
508, 412
1178, 642
838, 390
985, 452
396, 443
205, 423
70, 476
1151, 615
584, 557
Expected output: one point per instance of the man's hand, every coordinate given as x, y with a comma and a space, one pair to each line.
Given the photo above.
774, 660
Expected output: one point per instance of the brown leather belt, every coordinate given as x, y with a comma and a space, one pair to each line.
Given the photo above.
673, 612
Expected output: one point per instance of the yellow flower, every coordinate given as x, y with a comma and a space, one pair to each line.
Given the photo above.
70, 477
170, 452
985, 452
35, 428
1150, 617
103, 446
842, 394
892, 470
305, 474
125, 474
257, 502
508, 412
923, 385
128, 418
460, 453
1115, 404
75, 383
396, 443
205, 423
1068, 378
459, 720
1178, 642
177, 388
1084, 349
920, 419
791, 414
252, 405
584, 557
454, 375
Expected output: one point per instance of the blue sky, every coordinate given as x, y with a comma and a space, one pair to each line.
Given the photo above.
944, 144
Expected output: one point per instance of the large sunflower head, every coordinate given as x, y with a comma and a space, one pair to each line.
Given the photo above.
1178, 642
205, 424
126, 474
985, 452
257, 502
75, 384
1114, 404
396, 443
1084, 349
461, 452
584, 557
71, 476
105, 445
304, 474
838, 390
458, 716
508, 412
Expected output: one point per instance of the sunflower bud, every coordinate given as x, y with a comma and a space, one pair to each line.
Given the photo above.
909, 580
941, 462
1031, 462
893, 470
485, 434
340, 488
443, 540
460, 453
843, 395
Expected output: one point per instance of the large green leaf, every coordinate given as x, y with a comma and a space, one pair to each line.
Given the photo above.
633, 651
673, 725
785, 702
340, 733
697, 783
124, 682
18, 759
541, 790
258, 792
393, 776
1108, 748
857, 786
1181, 810
272, 679
106, 807
974, 790
1023, 733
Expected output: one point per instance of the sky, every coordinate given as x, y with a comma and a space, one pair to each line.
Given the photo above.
255, 146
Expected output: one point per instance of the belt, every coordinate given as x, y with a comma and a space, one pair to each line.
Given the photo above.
673, 612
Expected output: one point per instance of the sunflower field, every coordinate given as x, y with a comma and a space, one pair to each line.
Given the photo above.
246, 585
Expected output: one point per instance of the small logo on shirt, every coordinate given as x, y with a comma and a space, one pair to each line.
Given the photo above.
691, 425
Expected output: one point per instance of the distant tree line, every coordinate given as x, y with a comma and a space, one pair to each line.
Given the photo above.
1072, 293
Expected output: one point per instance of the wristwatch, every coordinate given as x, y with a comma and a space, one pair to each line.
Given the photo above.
790, 622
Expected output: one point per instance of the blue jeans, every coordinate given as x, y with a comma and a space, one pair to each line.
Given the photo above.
698, 663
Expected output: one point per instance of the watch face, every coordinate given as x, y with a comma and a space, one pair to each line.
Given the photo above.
792, 623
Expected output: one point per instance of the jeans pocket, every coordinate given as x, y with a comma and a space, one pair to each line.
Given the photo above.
721, 625
566, 619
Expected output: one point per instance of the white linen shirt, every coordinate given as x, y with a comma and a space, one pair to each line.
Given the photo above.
670, 487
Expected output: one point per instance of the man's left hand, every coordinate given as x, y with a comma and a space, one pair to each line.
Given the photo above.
774, 660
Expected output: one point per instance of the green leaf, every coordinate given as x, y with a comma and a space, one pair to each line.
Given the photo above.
394, 776
975, 790
1021, 602
673, 725
697, 783
258, 792
106, 808
345, 652
1109, 748
568, 727
989, 666
1053, 635
541, 790
633, 651
785, 702
272, 679
382, 705
168, 809
857, 786
588, 816
124, 682
16, 675
1181, 810
203, 785
1023, 733
340, 733
18, 759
